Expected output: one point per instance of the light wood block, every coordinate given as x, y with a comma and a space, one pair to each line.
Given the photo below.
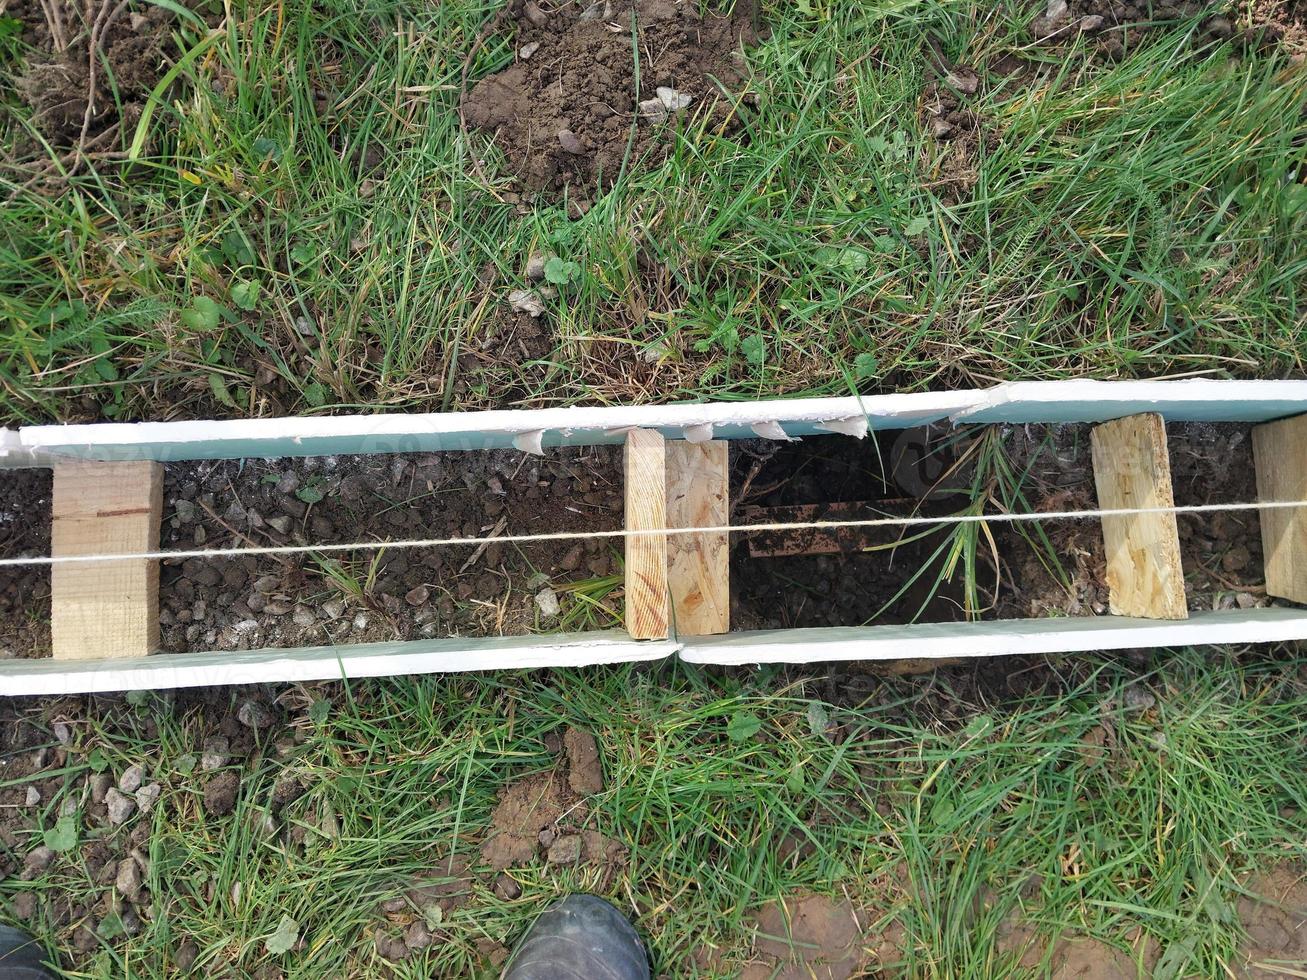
105, 609
646, 555
1132, 469
1280, 458
698, 569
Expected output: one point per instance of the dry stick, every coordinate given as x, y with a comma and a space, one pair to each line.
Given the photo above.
950, 520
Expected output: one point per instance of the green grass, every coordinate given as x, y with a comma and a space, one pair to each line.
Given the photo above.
1133, 219
923, 805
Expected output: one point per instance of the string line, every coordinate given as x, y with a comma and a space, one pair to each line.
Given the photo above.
953, 519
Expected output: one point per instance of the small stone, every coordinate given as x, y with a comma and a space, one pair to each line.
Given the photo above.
507, 888
417, 596
391, 948
100, 784
361, 621
940, 127
277, 607
304, 326
281, 524
418, 935
120, 807
526, 301
62, 733
547, 600
185, 511
37, 860
599, 10
964, 80
333, 608
267, 584
148, 796
565, 850
1091, 23
303, 616
1055, 10
33, 796
535, 265
128, 880
672, 100
653, 110
1245, 600
570, 144
215, 753
253, 714
571, 561
130, 781
546, 837
527, 50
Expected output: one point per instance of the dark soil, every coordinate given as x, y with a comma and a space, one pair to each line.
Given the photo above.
1062, 573
368, 595
562, 113
57, 81
24, 590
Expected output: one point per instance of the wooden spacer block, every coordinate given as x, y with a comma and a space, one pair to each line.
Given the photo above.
1280, 458
102, 610
646, 555
1132, 469
698, 569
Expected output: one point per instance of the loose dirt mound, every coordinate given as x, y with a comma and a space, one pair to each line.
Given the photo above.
58, 80
1275, 918
563, 112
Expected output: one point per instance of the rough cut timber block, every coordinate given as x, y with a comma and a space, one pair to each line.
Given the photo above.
102, 610
1280, 458
698, 570
647, 608
1132, 470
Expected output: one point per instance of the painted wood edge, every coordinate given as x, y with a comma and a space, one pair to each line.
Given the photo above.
1183, 400
1075, 400
453, 655
995, 638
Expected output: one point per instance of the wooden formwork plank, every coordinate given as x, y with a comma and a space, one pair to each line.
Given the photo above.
105, 609
698, 567
646, 554
1132, 470
1280, 458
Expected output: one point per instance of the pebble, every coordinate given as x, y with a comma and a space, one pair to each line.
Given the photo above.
131, 779
361, 621
100, 784
333, 608
653, 110
1138, 698
417, 596
33, 796
418, 935
547, 600
281, 523
120, 807
215, 753
507, 888
277, 607
62, 733
671, 99
1236, 559
526, 301
128, 879
253, 714
185, 511
303, 616
527, 50
565, 850
288, 483
570, 144
267, 584
534, 15
148, 796
201, 572
37, 860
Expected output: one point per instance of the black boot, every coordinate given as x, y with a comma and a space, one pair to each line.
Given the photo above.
580, 938
21, 956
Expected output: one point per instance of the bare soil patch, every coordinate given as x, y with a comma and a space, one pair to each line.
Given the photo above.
370, 595
62, 79
25, 590
1274, 914
568, 112
814, 937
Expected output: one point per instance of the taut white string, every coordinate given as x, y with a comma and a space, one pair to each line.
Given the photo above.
299, 549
